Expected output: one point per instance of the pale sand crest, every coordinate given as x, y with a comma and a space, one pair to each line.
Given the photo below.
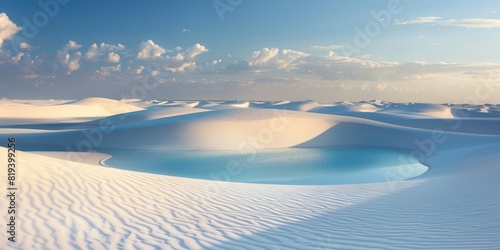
68, 205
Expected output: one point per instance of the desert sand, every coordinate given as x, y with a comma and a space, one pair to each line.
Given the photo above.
73, 200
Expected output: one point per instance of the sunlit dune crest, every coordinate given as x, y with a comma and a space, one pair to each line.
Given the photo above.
70, 198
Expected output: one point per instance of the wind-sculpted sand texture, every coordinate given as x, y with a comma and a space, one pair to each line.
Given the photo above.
63, 204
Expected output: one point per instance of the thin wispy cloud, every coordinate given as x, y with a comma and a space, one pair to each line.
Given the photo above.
472, 23
325, 47
333, 67
419, 20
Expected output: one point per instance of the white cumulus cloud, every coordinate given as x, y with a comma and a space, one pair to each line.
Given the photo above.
17, 57
7, 28
70, 62
139, 70
181, 62
182, 68
148, 50
269, 59
95, 52
262, 57
71, 45
110, 70
113, 57
25, 46
192, 52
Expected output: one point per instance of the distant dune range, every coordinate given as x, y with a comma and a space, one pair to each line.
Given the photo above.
65, 204
224, 125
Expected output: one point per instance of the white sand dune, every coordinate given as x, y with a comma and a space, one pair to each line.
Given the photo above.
90, 107
221, 105
423, 109
68, 205
83, 205
42, 102
344, 108
298, 106
378, 103
213, 130
295, 105
474, 125
239, 129
482, 112
152, 113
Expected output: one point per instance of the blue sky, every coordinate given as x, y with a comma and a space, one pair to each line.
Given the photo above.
433, 51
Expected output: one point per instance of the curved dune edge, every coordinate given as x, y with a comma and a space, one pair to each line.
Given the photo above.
233, 125
86, 108
65, 204
260, 129
285, 170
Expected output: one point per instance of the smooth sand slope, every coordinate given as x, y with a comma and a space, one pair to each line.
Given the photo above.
65, 204
90, 107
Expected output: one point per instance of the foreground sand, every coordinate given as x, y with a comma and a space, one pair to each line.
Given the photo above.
82, 205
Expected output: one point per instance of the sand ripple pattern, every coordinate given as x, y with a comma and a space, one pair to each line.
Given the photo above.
69, 206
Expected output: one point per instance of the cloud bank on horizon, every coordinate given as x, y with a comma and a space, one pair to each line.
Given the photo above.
392, 50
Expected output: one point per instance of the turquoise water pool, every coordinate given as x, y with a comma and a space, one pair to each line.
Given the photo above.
294, 166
